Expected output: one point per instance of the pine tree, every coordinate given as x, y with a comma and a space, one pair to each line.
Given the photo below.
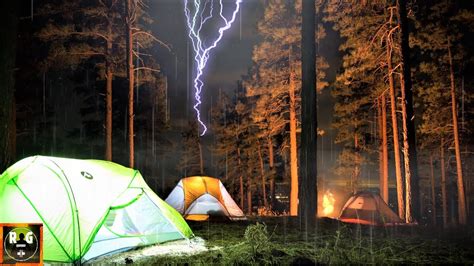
80, 31
277, 73
440, 43
360, 82
83, 32
409, 137
238, 144
308, 195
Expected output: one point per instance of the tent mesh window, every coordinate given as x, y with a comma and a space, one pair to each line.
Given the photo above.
136, 224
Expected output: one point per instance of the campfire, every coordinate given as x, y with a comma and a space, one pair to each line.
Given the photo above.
328, 204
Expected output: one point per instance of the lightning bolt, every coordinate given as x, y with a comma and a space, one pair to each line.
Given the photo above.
195, 20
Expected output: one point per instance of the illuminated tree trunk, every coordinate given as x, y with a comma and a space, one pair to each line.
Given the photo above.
433, 195
241, 180
411, 179
262, 174
396, 145
383, 150
468, 192
293, 150
381, 159
308, 193
460, 182
271, 159
131, 82
443, 184
406, 159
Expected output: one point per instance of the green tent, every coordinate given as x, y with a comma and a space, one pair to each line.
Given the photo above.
88, 207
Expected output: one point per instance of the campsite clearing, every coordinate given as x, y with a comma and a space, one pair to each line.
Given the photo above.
279, 241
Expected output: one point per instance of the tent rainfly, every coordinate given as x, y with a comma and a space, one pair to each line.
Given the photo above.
368, 208
88, 207
200, 198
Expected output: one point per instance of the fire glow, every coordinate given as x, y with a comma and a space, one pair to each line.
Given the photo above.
200, 13
328, 203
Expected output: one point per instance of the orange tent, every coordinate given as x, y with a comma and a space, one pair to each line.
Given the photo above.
368, 208
200, 197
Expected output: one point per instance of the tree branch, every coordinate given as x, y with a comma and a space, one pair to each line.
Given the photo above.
90, 34
147, 68
154, 38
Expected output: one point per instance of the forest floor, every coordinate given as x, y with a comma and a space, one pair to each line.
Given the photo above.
280, 241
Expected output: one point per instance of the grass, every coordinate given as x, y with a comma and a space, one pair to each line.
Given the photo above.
280, 241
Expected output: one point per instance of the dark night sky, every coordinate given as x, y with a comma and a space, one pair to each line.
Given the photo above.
228, 62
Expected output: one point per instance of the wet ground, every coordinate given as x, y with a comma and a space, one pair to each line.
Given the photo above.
175, 248
280, 240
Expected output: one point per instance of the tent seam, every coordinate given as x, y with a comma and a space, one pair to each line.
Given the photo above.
75, 209
41, 217
22, 170
100, 223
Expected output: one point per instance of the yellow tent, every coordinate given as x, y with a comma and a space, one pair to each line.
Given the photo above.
200, 197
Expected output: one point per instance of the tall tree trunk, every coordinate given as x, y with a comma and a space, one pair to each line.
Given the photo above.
131, 83
381, 159
108, 100
271, 159
433, 193
406, 159
8, 37
241, 179
308, 194
293, 150
384, 149
396, 145
468, 192
413, 192
262, 174
443, 184
460, 182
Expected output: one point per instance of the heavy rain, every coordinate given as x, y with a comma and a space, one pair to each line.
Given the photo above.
236, 132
